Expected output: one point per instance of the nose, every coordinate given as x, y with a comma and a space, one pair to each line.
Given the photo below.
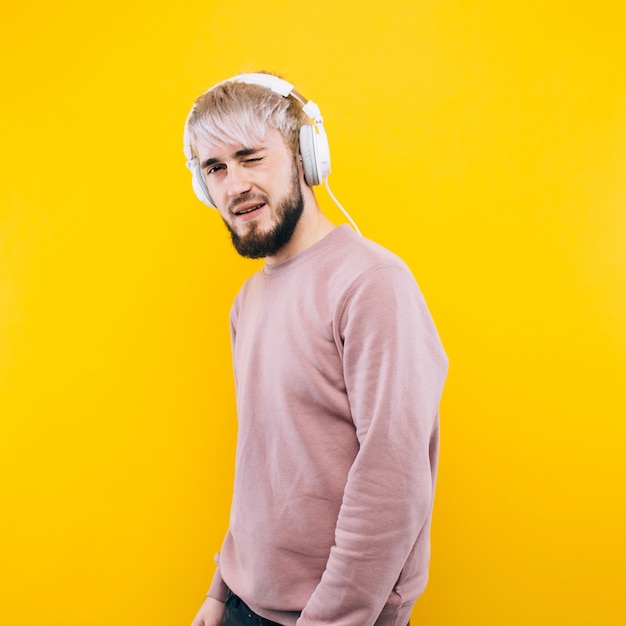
238, 181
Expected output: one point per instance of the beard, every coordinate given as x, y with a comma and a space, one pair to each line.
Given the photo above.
255, 244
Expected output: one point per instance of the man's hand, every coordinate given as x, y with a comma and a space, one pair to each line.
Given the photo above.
211, 613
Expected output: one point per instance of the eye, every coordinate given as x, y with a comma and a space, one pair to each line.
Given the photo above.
214, 168
253, 160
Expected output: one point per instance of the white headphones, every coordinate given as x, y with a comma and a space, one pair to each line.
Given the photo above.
313, 141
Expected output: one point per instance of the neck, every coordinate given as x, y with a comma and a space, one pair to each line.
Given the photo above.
312, 226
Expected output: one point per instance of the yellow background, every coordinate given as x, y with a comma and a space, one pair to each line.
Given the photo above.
484, 142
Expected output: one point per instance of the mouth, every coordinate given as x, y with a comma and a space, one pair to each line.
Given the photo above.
249, 210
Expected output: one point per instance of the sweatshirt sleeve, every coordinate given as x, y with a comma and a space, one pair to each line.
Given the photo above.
394, 370
218, 589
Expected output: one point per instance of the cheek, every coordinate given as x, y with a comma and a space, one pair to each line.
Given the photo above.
216, 194
224, 214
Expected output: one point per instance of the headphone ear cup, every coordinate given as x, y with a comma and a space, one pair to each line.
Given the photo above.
307, 151
199, 183
315, 153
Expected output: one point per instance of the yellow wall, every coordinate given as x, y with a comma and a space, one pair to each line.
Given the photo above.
484, 142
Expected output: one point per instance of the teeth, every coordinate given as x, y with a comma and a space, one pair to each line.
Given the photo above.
254, 208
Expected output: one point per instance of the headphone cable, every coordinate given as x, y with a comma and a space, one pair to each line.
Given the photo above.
330, 193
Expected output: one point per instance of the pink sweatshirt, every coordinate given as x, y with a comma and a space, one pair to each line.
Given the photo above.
339, 372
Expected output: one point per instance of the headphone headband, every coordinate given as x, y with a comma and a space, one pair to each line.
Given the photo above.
274, 83
313, 141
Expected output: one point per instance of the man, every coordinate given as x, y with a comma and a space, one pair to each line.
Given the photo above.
338, 371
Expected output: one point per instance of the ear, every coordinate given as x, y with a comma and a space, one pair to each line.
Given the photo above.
305, 186
299, 165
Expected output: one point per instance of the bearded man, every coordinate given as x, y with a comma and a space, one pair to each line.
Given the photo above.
339, 372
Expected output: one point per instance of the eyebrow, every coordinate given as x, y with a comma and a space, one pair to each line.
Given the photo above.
240, 153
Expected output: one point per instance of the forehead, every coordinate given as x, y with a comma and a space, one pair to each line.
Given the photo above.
213, 148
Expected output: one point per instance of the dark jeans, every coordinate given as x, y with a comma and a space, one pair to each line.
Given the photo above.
238, 613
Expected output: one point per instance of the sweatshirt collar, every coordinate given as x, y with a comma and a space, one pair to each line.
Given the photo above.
337, 234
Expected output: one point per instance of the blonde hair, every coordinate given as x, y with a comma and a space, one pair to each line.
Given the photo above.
236, 112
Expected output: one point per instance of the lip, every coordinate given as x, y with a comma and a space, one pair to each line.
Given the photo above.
248, 210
